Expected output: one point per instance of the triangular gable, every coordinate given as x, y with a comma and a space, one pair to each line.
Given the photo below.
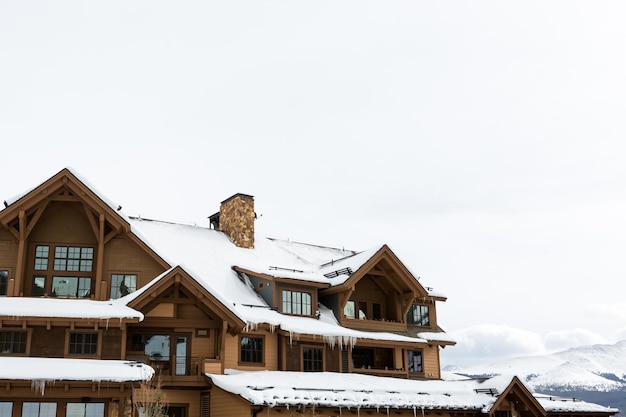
63, 186
384, 263
520, 397
21, 216
178, 277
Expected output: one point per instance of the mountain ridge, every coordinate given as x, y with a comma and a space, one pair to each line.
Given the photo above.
595, 373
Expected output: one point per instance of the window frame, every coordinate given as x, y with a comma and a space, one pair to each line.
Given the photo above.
28, 339
357, 309
5, 285
124, 274
79, 262
303, 362
293, 290
68, 334
260, 337
413, 322
408, 360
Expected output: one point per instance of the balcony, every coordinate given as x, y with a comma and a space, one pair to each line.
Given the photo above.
186, 371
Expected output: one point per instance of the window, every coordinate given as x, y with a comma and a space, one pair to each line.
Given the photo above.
13, 341
84, 410
349, 310
166, 352
418, 315
312, 359
66, 275
83, 343
362, 310
251, 349
123, 284
6, 409
39, 286
372, 358
4, 281
71, 287
41, 257
415, 361
377, 311
296, 302
68, 258
39, 409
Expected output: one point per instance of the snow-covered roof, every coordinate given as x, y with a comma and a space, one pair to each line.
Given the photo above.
47, 370
329, 389
209, 257
66, 308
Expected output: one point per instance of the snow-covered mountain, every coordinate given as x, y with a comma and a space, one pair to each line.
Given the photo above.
594, 373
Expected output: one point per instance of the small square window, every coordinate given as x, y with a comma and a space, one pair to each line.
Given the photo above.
123, 284
83, 344
251, 349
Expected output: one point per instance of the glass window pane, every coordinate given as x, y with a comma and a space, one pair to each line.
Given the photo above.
4, 279
6, 409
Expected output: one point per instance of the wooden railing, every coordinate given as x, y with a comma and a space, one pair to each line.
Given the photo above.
197, 366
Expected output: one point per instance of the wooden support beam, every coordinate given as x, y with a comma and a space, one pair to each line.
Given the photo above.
100, 258
21, 254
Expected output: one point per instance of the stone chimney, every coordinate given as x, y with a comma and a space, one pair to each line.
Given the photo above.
236, 219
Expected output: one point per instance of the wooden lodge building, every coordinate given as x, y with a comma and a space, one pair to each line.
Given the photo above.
95, 306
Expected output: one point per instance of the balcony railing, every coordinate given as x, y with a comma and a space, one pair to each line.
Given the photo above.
193, 367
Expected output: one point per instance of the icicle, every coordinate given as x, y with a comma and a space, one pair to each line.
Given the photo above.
387, 411
422, 411
38, 385
107, 325
414, 412
358, 410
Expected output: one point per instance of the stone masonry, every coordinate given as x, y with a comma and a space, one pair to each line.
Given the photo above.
237, 219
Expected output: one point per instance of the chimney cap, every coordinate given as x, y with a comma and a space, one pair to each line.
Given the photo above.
238, 195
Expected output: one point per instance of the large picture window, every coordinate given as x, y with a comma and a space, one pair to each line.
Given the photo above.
71, 287
122, 284
296, 302
62, 271
83, 344
418, 315
13, 341
251, 349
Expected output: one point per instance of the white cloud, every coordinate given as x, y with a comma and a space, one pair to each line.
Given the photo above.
488, 343
565, 339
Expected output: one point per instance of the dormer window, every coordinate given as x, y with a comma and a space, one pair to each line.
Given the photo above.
418, 315
296, 302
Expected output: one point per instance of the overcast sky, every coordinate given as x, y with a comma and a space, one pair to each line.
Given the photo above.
482, 140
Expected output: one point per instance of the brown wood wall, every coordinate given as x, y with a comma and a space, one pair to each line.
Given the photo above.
227, 405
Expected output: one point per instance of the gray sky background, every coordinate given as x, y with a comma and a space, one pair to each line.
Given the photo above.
482, 140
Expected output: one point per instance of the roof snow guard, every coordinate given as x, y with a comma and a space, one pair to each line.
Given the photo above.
344, 271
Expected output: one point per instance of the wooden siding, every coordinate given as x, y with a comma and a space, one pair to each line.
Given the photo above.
48, 343
231, 359
122, 255
226, 404
184, 398
111, 344
430, 361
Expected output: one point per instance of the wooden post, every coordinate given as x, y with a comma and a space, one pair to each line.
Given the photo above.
100, 260
21, 255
